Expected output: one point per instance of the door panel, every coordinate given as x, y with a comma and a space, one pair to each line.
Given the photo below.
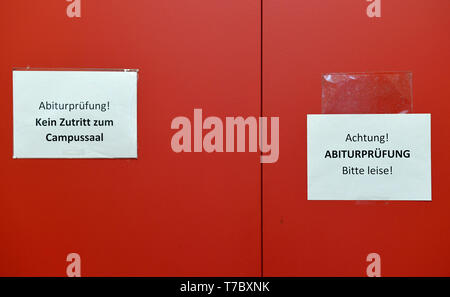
302, 40
164, 214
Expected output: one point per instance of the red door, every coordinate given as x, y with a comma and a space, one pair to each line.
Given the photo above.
302, 40
164, 214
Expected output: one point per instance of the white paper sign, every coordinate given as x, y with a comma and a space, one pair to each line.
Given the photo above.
369, 157
75, 114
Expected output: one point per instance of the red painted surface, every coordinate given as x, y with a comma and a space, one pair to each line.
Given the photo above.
302, 40
165, 214
169, 214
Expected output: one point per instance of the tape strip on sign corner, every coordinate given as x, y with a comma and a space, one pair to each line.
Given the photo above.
75, 113
369, 157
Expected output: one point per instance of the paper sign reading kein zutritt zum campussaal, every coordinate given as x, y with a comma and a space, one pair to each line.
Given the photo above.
75, 114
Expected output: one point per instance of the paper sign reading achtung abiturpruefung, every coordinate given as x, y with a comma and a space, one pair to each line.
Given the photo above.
369, 157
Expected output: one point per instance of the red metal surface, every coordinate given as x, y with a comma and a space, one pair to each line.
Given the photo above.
304, 39
165, 213
169, 214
